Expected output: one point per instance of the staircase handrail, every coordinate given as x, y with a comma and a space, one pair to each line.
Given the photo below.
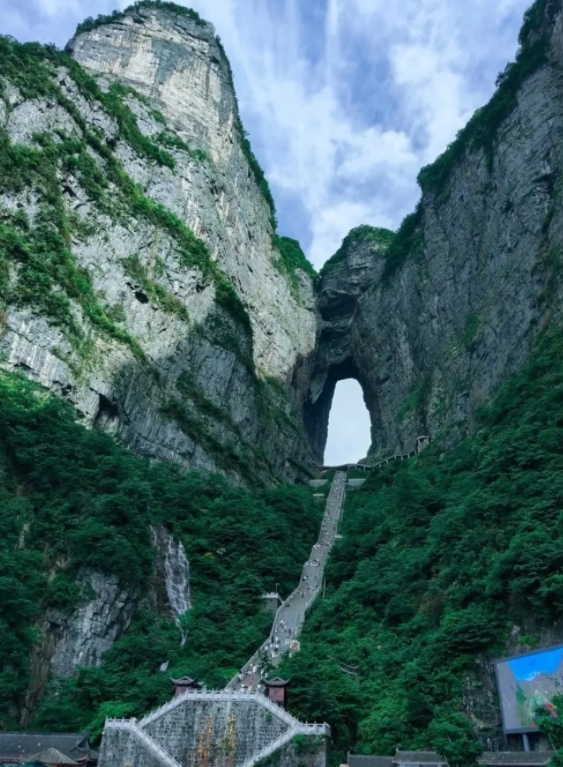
216, 697
371, 467
135, 729
286, 737
268, 750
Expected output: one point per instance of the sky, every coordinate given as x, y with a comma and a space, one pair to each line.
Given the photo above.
344, 101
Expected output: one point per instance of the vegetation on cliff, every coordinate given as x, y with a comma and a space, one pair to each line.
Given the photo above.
481, 131
440, 557
292, 260
246, 147
291, 255
99, 21
382, 238
72, 498
408, 242
49, 276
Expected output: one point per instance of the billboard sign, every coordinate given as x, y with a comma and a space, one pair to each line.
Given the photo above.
524, 681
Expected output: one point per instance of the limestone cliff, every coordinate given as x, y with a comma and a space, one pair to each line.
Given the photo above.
141, 278
164, 315
431, 327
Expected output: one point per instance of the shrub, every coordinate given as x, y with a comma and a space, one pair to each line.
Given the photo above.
178, 10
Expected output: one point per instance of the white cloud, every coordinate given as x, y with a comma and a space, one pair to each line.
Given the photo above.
311, 114
345, 99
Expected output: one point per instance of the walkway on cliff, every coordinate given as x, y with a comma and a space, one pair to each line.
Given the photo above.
291, 614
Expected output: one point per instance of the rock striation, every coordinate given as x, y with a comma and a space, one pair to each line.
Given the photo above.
193, 381
80, 638
143, 282
159, 309
344, 282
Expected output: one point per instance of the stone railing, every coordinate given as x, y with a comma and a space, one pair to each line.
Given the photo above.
256, 658
131, 726
227, 696
294, 726
300, 729
421, 443
355, 482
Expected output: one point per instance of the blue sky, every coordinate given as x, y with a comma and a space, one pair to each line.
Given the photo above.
344, 100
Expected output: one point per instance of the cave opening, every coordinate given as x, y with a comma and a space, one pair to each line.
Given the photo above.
336, 416
349, 427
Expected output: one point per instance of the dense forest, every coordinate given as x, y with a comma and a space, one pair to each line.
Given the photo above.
440, 558
73, 498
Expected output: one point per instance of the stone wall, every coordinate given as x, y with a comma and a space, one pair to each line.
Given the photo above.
221, 730
300, 752
120, 748
227, 729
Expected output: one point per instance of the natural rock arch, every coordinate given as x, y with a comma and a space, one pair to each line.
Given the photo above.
344, 280
317, 411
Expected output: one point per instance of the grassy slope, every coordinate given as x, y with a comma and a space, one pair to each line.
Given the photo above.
70, 497
440, 558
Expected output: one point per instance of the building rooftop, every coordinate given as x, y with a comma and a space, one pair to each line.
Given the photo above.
185, 681
487, 759
22, 746
54, 756
359, 760
520, 758
418, 757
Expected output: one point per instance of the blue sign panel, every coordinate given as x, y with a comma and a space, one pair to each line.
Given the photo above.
526, 681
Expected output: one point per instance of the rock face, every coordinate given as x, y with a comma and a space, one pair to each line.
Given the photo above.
167, 319
94, 626
163, 315
350, 275
433, 341
180, 376
81, 637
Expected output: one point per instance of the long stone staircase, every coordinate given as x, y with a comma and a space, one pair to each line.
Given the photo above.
233, 727
290, 616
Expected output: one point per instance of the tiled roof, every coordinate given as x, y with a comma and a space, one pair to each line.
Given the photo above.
19, 746
418, 757
54, 756
488, 759
369, 761
520, 758
186, 681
